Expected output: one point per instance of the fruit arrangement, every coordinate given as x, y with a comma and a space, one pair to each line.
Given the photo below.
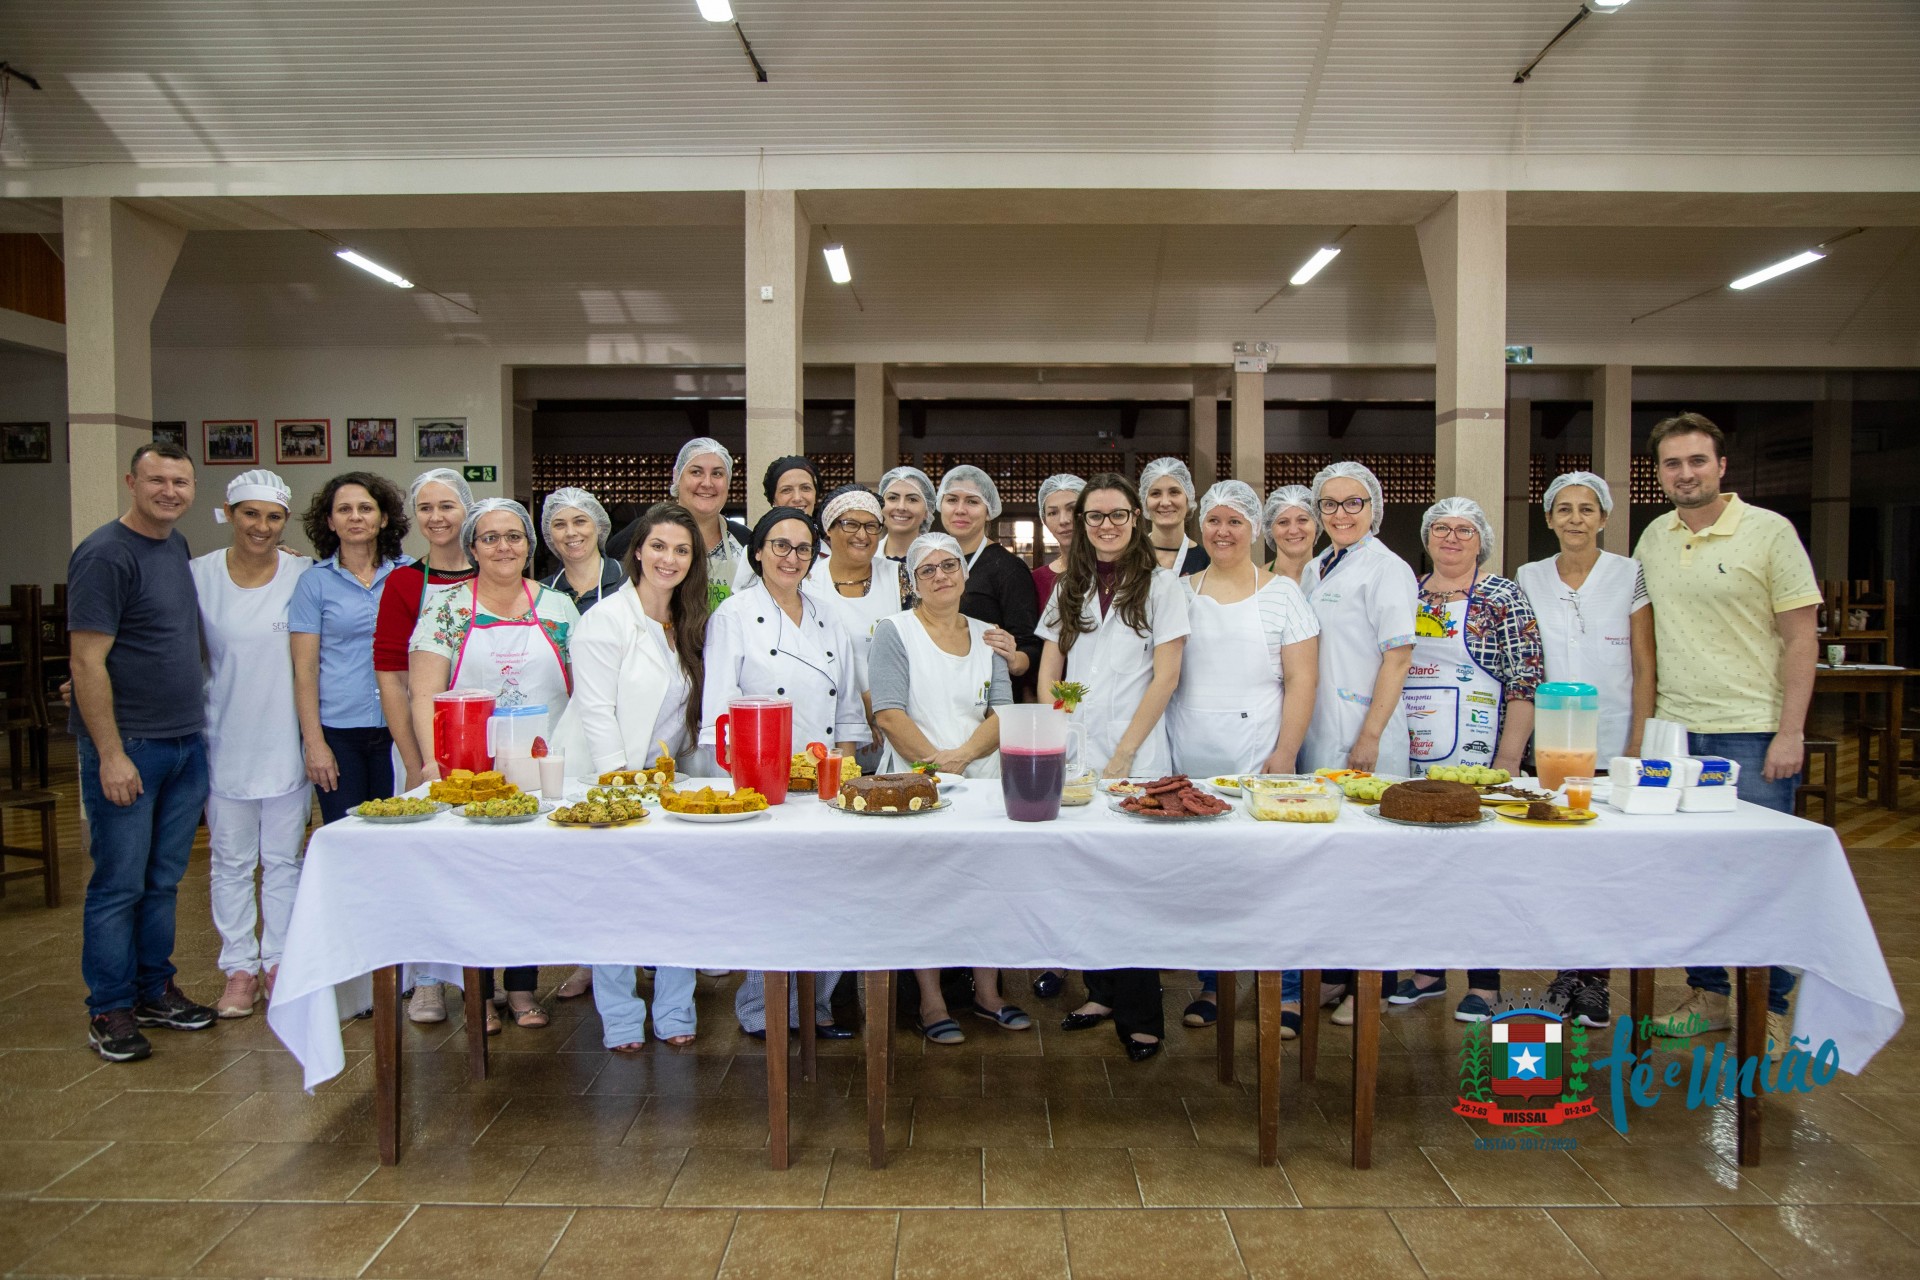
707, 800
596, 811
396, 807
512, 806
1175, 796
464, 786
1474, 775
1067, 694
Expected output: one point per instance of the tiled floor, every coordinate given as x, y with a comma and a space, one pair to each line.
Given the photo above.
1036, 1154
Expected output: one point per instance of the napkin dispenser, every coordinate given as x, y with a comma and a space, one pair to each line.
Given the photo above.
1713, 786
1647, 785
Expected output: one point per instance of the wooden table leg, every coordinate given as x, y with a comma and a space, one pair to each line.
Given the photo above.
1890, 743
808, 1032
1229, 996
1751, 1042
1366, 1062
1639, 1004
386, 1060
879, 1042
1267, 1044
475, 1005
1309, 1024
777, 1154
887, 1012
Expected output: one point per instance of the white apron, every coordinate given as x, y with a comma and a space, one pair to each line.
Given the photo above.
515, 660
1225, 715
1115, 662
946, 695
1587, 635
1350, 661
1452, 704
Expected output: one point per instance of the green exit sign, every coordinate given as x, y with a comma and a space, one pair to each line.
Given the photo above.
480, 475
1520, 355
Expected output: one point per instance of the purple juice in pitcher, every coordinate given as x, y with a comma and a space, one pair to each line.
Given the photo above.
1031, 781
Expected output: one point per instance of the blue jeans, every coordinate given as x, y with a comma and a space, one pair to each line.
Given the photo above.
1749, 751
139, 854
1289, 984
623, 1015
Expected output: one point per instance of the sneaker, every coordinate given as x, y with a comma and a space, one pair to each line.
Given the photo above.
716, 973
242, 993
429, 1003
1472, 1008
115, 1036
1408, 992
171, 1008
1565, 986
1779, 1029
1592, 1005
1700, 1011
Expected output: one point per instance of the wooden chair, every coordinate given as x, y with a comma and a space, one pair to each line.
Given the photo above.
21, 685
1826, 790
1870, 735
47, 855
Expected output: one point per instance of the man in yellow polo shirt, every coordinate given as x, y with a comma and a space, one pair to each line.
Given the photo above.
1733, 616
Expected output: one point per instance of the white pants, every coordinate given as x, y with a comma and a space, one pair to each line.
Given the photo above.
242, 835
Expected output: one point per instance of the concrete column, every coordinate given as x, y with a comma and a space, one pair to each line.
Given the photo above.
889, 429
516, 414
1613, 450
1514, 550
1250, 430
1463, 246
777, 244
117, 264
873, 452
1203, 431
1833, 478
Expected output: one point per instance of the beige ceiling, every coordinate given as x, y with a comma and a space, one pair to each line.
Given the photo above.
238, 81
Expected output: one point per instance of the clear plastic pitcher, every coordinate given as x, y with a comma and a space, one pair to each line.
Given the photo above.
1040, 748
511, 735
1566, 732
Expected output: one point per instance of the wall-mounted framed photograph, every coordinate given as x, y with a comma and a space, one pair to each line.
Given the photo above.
230, 442
373, 438
173, 433
26, 442
302, 440
439, 439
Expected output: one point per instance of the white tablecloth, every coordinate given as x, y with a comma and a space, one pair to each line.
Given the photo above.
803, 887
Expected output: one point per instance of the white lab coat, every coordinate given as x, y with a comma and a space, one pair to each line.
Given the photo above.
1225, 716
1365, 607
1115, 663
753, 648
628, 691
1587, 635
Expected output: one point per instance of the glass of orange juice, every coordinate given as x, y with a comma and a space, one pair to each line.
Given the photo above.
1579, 793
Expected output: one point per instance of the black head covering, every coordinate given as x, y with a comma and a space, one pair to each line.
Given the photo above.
758, 541
781, 466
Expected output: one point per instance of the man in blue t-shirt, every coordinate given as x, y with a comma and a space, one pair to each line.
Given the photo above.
139, 708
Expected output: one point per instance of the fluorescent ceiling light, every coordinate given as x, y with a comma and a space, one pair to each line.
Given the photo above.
1313, 266
1761, 276
1604, 6
369, 265
837, 266
716, 10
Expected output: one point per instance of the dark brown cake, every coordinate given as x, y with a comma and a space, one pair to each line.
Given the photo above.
1426, 800
1542, 811
883, 792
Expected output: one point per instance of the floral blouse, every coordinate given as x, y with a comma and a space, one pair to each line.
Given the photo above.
1503, 635
448, 614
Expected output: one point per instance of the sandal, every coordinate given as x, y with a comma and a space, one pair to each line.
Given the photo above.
680, 1042
942, 1031
1201, 1013
493, 1019
627, 1050
578, 983
1010, 1016
530, 1018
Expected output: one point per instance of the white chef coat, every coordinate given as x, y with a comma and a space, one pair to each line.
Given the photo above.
629, 691
253, 729
948, 695
860, 614
754, 649
1225, 716
1587, 635
1115, 663
1366, 606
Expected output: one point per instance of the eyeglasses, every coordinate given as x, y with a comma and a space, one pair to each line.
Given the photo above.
782, 549
1118, 519
948, 568
512, 538
1352, 506
852, 527
1454, 532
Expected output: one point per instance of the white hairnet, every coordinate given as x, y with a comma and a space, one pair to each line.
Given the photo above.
487, 506
1586, 478
1238, 495
580, 500
1351, 471
255, 486
1062, 483
1457, 506
852, 498
920, 480
1166, 467
693, 449
975, 479
439, 475
929, 543
1288, 495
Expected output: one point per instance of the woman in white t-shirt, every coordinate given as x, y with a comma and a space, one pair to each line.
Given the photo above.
260, 799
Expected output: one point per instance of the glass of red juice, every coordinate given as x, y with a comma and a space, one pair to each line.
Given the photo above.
1035, 745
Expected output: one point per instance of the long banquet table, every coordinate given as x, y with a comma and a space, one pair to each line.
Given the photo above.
803, 888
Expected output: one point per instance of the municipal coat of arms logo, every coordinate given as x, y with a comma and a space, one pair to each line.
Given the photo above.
1527, 1065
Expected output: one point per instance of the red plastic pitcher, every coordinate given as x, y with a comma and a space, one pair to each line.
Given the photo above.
460, 730
761, 751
